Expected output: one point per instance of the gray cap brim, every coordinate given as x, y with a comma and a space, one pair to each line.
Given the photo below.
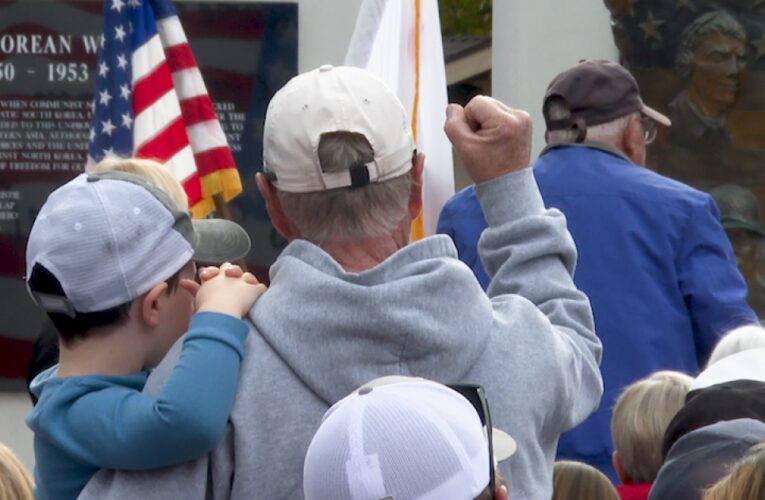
219, 241
739, 223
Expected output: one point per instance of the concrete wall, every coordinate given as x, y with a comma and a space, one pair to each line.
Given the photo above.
325, 29
323, 33
534, 40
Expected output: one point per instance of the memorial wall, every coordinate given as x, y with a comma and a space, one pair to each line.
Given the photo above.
48, 65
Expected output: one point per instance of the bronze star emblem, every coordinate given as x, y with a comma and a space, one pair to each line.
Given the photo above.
651, 27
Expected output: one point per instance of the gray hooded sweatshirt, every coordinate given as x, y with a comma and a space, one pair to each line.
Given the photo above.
320, 332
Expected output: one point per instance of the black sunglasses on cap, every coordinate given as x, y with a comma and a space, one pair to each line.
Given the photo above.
477, 397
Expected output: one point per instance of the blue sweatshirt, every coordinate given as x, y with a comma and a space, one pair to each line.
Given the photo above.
83, 424
653, 260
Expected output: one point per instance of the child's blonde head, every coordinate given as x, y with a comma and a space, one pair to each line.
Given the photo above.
156, 173
745, 481
15, 483
641, 415
577, 480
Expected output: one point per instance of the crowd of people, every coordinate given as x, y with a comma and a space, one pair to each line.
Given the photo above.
571, 310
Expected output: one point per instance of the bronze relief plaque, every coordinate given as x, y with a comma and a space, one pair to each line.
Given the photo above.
702, 63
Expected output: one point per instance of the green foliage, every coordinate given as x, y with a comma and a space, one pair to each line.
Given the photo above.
465, 17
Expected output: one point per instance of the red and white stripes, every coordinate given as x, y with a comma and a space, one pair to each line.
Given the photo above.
175, 122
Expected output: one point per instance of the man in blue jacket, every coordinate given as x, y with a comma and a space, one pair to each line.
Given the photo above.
653, 258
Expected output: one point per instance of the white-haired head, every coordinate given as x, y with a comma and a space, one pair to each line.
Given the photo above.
737, 340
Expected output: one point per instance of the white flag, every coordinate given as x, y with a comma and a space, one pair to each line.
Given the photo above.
400, 42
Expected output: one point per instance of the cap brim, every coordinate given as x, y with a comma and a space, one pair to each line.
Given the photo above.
655, 116
751, 226
504, 445
219, 241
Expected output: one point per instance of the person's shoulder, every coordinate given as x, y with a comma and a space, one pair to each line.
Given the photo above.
603, 170
461, 198
670, 189
57, 394
643, 184
99, 382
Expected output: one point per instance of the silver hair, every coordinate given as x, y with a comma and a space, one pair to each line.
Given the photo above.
610, 132
702, 27
739, 339
352, 213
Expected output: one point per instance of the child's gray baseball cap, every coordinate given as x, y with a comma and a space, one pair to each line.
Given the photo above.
110, 237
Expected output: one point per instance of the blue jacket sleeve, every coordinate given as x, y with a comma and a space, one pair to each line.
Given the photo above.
714, 290
119, 428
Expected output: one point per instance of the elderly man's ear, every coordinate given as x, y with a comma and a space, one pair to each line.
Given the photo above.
415, 195
279, 219
633, 141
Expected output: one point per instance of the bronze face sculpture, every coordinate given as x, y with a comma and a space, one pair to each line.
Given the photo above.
702, 62
712, 59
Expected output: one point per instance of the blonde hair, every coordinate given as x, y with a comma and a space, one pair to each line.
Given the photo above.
577, 480
154, 172
640, 418
15, 483
745, 481
737, 340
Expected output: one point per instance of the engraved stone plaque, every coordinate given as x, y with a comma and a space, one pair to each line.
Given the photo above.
48, 51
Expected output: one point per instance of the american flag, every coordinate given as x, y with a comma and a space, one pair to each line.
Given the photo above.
151, 102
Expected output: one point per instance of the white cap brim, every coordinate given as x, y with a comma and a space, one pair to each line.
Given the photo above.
504, 445
656, 116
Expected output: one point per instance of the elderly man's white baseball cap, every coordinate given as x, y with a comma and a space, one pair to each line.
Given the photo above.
334, 99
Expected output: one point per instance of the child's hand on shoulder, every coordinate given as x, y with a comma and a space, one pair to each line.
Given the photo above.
226, 290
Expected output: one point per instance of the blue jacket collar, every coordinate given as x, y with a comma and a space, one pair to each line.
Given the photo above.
602, 146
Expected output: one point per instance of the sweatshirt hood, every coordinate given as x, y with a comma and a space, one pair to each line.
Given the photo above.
404, 316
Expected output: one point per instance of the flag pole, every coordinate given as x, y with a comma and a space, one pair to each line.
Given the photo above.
221, 207
223, 211
417, 231
400, 41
